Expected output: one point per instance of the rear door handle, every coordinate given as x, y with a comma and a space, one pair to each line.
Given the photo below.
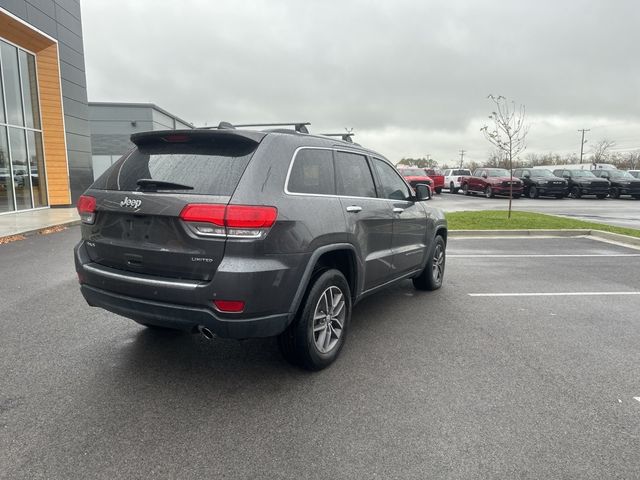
354, 208
398, 210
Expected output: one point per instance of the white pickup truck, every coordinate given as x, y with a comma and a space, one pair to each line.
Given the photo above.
452, 178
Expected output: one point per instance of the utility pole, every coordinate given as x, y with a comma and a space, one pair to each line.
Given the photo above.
462, 152
583, 141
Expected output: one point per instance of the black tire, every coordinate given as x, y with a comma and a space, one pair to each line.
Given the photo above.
452, 188
637, 197
439, 190
614, 192
298, 343
428, 280
575, 193
488, 192
533, 192
559, 196
516, 196
601, 196
465, 189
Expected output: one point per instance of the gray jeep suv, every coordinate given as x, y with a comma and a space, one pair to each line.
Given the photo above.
244, 233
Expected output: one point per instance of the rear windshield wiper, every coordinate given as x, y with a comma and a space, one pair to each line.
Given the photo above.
153, 185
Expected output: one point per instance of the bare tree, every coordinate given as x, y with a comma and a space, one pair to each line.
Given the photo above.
507, 132
600, 151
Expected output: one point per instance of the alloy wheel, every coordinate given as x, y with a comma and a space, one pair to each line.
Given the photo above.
438, 263
328, 319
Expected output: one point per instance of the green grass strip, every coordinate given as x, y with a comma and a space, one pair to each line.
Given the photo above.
497, 220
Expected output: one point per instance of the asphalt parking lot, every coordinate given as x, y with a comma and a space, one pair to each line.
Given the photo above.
622, 212
524, 365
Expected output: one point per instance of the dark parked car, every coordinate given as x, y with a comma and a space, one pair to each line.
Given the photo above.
622, 183
242, 233
583, 182
540, 182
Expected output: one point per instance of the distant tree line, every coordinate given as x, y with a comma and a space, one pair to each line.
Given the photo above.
418, 162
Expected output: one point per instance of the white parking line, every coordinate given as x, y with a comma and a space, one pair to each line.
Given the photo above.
518, 255
550, 294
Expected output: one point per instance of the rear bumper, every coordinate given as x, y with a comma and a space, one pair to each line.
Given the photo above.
183, 317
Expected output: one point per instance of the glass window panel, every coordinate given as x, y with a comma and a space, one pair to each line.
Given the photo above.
312, 172
2, 118
11, 78
393, 187
353, 177
36, 163
20, 165
6, 188
29, 89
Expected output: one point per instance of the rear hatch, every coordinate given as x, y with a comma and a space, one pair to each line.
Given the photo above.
139, 201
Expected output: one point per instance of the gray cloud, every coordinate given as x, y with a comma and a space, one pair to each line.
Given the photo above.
381, 67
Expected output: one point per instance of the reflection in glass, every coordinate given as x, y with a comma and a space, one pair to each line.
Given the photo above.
2, 119
36, 161
11, 78
20, 165
6, 189
29, 89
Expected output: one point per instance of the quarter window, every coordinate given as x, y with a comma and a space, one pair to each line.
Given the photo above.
393, 187
312, 172
353, 177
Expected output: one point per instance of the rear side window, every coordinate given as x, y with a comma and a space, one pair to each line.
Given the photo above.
353, 177
393, 187
210, 168
312, 172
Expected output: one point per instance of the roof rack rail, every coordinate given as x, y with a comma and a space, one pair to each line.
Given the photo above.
300, 127
346, 137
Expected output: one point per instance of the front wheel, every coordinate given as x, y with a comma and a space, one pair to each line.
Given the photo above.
488, 192
516, 195
533, 192
559, 196
614, 192
452, 188
316, 336
431, 277
439, 190
465, 189
575, 193
601, 196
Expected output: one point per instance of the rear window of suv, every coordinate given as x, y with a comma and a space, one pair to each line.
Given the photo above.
210, 168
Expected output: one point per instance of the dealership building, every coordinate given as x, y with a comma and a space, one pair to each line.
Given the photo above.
45, 143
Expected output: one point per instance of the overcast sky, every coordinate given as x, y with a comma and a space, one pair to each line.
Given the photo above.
411, 77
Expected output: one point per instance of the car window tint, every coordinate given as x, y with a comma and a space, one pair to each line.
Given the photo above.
353, 177
393, 186
312, 172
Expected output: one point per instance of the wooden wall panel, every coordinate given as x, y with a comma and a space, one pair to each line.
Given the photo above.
53, 134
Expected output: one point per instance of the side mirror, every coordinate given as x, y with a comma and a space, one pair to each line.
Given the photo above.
423, 192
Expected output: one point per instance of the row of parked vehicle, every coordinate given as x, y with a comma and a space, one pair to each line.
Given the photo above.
573, 181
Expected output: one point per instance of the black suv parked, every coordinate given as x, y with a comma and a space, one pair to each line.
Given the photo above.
622, 183
242, 233
540, 182
583, 182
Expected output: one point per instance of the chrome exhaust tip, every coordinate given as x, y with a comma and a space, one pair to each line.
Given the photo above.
206, 333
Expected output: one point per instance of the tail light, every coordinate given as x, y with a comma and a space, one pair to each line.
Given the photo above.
239, 221
87, 209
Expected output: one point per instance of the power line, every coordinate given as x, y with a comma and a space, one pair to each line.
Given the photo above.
583, 141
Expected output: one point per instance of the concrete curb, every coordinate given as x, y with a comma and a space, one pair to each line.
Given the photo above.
35, 231
598, 234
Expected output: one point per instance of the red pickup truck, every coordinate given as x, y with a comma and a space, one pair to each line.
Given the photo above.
491, 182
437, 177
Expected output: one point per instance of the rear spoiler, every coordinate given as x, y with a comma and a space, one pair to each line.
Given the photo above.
187, 136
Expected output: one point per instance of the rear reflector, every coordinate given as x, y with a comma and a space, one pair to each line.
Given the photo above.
247, 221
229, 306
87, 209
